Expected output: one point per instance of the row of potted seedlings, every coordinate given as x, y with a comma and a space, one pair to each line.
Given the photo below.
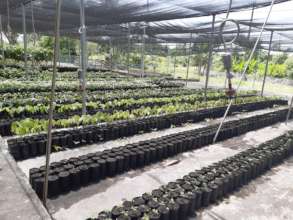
180, 199
76, 172
93, 87
91, 110
21, 99
31, 146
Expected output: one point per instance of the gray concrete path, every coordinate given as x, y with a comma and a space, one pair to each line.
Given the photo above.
17, 199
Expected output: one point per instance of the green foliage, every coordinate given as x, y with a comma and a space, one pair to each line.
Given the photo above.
278, 70
16, 52
289, 64
35, 125
42, 54
280, 58
67, 45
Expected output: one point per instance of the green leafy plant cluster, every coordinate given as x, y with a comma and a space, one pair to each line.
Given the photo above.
17, 99
111, 105
277, 70
16, 52
28, 126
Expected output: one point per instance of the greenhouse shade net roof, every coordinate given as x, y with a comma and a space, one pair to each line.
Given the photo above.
100, 12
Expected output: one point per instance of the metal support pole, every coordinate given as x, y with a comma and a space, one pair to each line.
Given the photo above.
2, 42
289, 111
188, 61
83, 49
34, 34
251, 19
142, 53
52, 99
175, 59
211, 42
111, 55
168, 60
267, 64
24, 37
128, 49
69, 52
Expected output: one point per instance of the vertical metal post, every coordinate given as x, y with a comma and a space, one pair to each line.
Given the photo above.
2, 42
83, 50
211, 42
188, 61
267, 64
111, 55
251, 19
52, 99
289, 111
69, 52
142, 52
128, 49
168, 51
175, 60
24, 37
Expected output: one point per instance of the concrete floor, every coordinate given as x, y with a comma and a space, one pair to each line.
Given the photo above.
17, 200
88, 201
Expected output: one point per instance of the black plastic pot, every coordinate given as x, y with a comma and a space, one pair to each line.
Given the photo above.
183, 207
111, 164
120, 164
133, 160
38, 186
84, 175
137, 201
75, 178
134, 214
174, 211
103, 167
206, 196
116, 212
153, 204
65, 184
127, 205
25, 150
154, 215
94, 172
192, 203
53, 186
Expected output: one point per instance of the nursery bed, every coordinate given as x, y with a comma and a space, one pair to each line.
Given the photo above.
267, 197
87, 202
25, 165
